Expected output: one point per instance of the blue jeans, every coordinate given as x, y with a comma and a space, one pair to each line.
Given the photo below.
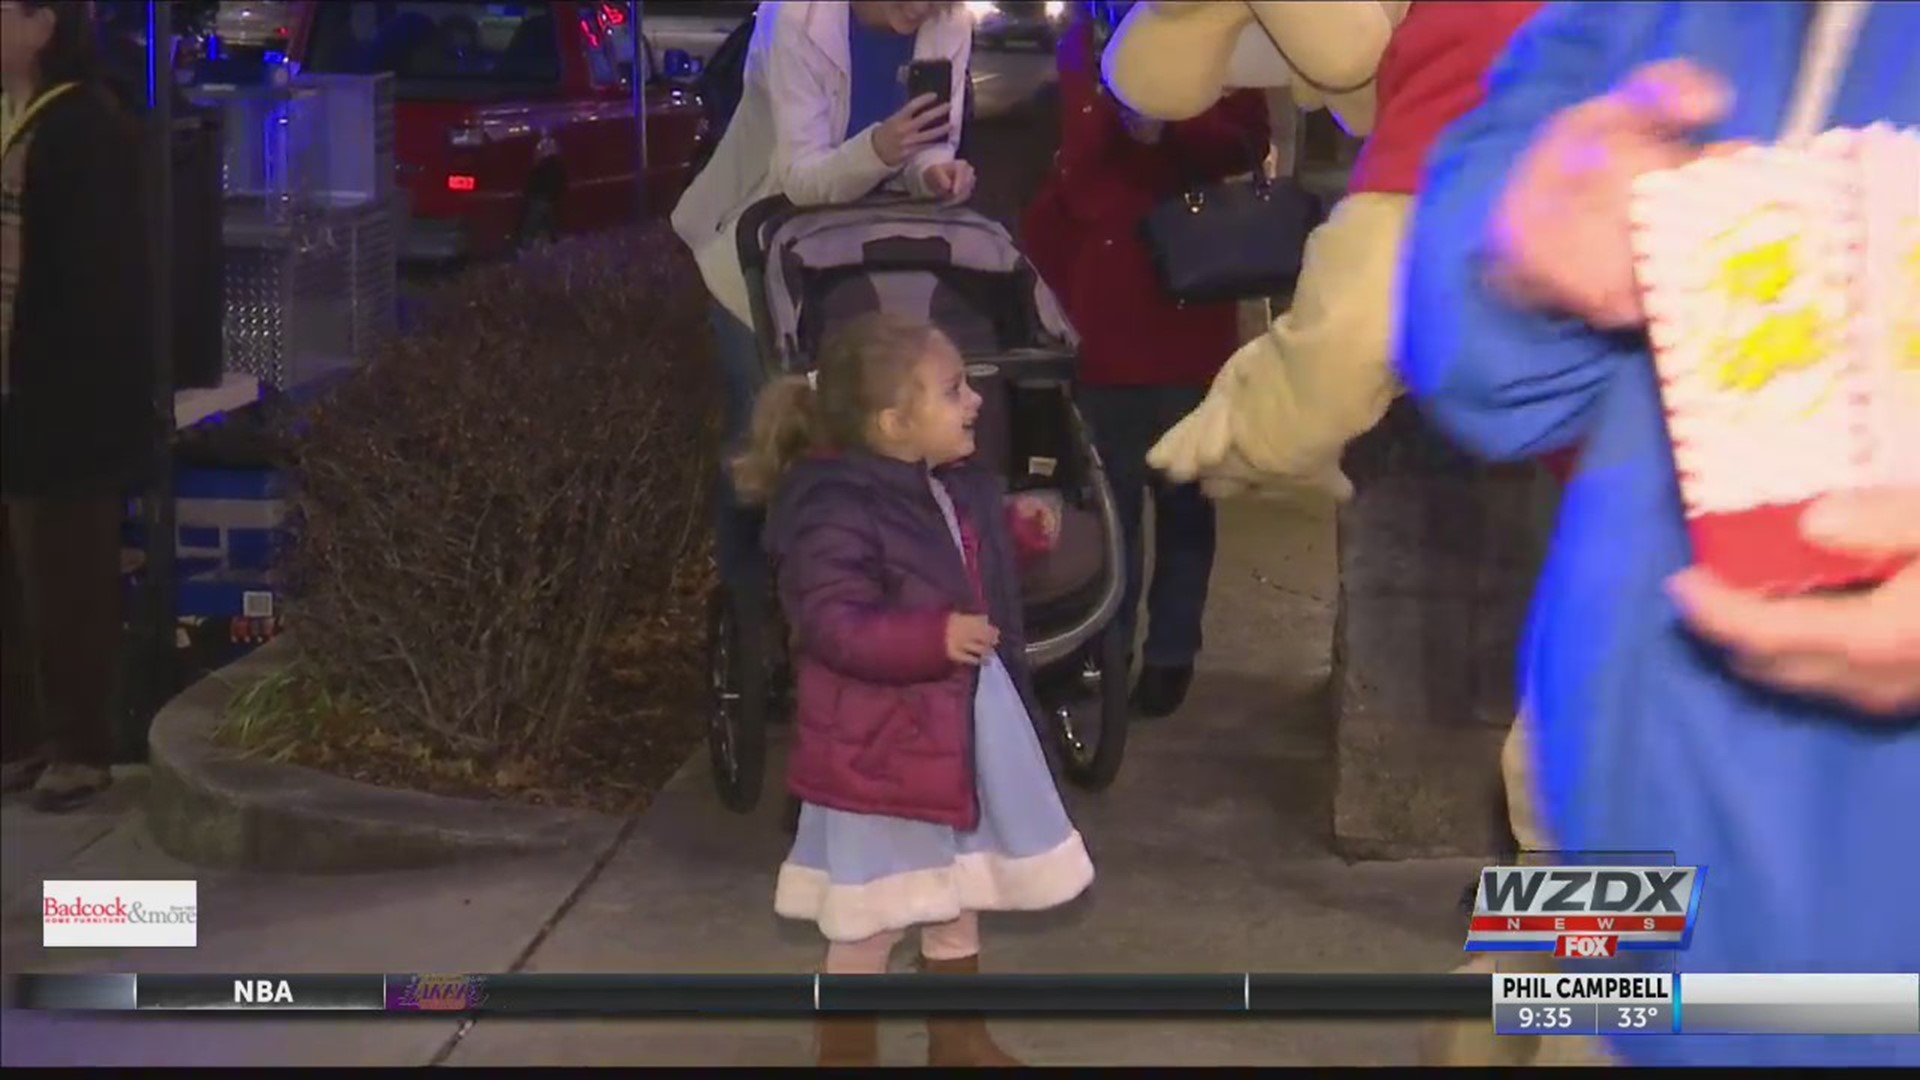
1126, 422
736, 528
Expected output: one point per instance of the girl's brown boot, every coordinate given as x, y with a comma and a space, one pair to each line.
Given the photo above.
848, 1042
962, 1041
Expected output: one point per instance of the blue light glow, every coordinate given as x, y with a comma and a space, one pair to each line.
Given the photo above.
153, 54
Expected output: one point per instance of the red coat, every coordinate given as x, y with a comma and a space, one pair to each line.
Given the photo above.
1082, 231
1433, 73
868, 575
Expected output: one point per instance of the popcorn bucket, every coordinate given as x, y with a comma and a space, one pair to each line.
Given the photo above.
1781, 298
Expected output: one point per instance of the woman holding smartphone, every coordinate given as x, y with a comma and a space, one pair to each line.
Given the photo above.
824, 118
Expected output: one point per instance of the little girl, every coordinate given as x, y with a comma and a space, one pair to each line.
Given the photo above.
924, 773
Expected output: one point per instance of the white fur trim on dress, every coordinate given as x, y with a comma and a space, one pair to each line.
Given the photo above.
977, 881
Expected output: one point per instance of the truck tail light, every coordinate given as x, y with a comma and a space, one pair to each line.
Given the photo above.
461, 183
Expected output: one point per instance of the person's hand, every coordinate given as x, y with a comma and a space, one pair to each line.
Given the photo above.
1027, 507
920, 123
1860, 648
1271, 426
1142, 129
950, 181
1560, 238
1235, 478
970, 638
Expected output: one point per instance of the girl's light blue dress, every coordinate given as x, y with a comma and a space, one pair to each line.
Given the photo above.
858, 875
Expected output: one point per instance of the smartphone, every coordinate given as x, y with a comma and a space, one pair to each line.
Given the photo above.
930, 77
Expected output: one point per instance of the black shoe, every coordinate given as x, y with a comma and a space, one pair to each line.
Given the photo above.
65, 786
1160, 689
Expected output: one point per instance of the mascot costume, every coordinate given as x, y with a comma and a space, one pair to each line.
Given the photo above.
1286, 405
1282, 411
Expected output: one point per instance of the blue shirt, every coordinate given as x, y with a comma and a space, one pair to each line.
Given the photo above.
1804, 815
879, 58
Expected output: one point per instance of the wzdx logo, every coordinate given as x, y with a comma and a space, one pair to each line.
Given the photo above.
1583, 912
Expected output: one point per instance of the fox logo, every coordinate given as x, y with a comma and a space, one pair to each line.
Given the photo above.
1586, 946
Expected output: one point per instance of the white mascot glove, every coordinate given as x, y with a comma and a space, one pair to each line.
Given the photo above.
1280, 413
1284, 407
1235, 441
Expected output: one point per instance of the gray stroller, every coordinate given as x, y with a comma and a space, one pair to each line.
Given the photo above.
812, 269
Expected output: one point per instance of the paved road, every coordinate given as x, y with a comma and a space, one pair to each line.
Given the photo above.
1210, 849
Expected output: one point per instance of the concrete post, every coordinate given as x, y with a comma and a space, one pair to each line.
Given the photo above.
1438, 559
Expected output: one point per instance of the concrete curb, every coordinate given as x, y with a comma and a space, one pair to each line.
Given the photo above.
216, 807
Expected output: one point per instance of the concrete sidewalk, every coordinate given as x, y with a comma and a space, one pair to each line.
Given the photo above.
1210, 851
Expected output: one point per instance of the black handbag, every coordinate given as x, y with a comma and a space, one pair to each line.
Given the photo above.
1233, 240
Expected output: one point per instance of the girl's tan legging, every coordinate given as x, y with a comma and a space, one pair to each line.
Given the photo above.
954, 940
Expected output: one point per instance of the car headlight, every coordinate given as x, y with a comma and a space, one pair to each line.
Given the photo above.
1056, 9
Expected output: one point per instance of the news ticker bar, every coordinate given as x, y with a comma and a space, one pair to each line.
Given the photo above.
1706, 1004
767, 995
1569, 1004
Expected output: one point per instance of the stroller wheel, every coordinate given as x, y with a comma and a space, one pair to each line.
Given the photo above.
1093, 721
737, 665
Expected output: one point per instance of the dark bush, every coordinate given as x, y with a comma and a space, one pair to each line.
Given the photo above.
480, 504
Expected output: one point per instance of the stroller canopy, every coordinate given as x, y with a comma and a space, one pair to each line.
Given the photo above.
961, 271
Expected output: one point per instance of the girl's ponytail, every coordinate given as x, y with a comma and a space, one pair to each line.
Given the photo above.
784, 429
863, 367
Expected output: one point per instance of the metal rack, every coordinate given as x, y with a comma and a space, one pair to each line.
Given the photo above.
371, 313
309, 230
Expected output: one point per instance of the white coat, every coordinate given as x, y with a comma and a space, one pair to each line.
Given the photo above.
787, 136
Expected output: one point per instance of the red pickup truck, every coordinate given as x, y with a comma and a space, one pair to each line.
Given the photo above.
512, 122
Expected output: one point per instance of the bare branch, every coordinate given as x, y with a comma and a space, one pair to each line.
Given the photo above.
486, 499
